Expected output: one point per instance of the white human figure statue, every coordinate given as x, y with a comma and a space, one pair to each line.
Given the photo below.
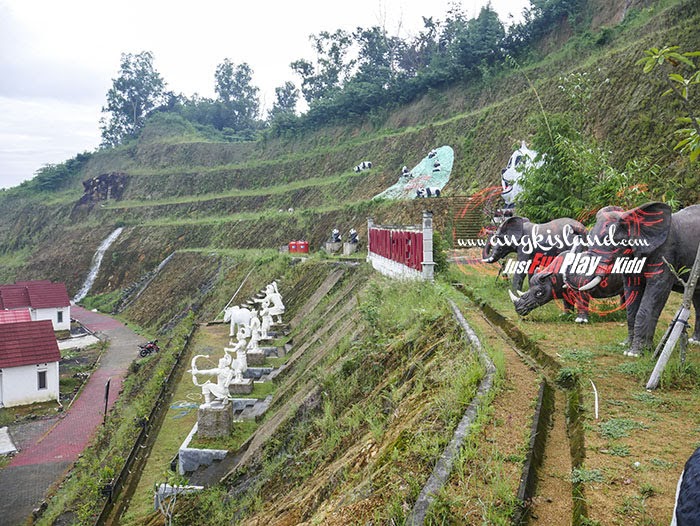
273, 301
224, 374
254, 328
239, 365
265, 324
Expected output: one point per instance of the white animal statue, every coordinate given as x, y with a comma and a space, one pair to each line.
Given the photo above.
521, 158
238, 317
364, 165
224, 374
428, 191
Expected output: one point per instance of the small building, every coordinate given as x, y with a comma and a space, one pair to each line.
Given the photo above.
29, 359
44, 299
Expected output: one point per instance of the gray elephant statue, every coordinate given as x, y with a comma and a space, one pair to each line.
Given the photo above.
517, 234
640, 244
550, 284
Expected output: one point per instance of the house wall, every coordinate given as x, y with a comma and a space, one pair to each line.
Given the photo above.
20, 385
52, 314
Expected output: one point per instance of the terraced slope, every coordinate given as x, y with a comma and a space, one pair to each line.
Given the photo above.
184, 192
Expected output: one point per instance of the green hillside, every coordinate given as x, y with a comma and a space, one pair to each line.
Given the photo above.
183, 191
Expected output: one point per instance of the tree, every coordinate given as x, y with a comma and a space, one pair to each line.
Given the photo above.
418, 53
675, 65
331, 69
377, 56
137, 90
477, 41
285, 104
238, 97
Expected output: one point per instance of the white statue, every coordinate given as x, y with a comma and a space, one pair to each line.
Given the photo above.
254, 328
224, 374
238, 316
521, 159
239, 365
265, 324
273, 301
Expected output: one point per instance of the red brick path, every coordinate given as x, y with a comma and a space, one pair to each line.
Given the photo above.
50, 454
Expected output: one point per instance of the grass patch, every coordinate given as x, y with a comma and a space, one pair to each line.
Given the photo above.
617, 450
619, 427
7, 417
106, 302
586, 476
260, 390
577, 355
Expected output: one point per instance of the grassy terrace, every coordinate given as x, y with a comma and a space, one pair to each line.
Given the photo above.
636, 448
243, 192
179, 419
391, 396
248, 216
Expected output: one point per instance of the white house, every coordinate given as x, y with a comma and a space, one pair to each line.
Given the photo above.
44, 299
29, 359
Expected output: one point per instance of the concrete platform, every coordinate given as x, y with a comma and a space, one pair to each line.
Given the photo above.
256, 357
7, 446
245, 387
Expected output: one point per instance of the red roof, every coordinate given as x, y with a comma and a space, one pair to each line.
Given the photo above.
35, 294
13, 316
27, 343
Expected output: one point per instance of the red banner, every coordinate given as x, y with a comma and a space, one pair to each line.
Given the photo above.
402, 246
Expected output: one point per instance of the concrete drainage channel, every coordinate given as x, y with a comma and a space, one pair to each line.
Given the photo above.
443, 467
545, 410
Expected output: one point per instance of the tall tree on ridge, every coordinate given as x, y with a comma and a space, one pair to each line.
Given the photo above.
286, 98
238, 97
331, 69
137, 90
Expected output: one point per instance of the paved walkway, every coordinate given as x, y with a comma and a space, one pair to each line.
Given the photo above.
23, 483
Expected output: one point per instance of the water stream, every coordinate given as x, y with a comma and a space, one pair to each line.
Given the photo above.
96, 262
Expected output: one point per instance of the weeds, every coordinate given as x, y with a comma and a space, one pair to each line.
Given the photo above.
586, 476
619, 427
617, 450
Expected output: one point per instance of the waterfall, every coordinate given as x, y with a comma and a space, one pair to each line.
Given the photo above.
96, 262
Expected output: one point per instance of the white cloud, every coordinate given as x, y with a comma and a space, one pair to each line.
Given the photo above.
39, 132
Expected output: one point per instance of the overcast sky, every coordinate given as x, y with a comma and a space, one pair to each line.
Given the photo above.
58, 57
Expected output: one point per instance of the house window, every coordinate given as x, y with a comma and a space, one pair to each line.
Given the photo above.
59, 316
41, 378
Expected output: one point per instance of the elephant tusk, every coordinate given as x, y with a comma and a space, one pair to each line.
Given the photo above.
513, 297
519, 293
565, 286
592, 284
487, 260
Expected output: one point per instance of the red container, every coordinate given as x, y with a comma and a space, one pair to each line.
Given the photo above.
303, 247
293, 247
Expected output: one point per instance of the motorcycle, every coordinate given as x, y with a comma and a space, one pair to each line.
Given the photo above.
148, 348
